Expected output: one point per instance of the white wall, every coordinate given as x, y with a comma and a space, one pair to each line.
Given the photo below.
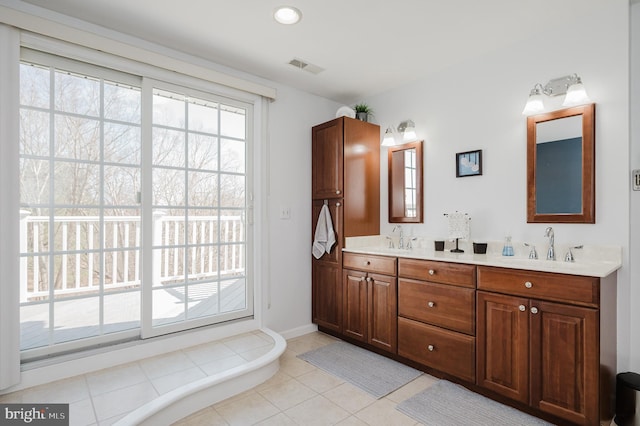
291, 117
478, 104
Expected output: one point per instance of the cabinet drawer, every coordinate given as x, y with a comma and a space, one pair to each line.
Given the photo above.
439, 272
438, 304
365, 262
573, 289
447, 351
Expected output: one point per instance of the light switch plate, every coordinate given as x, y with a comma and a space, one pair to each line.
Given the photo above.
285, 213
635, 176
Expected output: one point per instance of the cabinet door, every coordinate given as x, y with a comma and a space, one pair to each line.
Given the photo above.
355, 304
327, 159
502, 363
565, 361
383, 313
327, 294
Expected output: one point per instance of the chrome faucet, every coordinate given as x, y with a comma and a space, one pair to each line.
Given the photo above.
551, 253
401, 239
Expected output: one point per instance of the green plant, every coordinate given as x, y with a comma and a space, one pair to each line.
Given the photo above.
363, 108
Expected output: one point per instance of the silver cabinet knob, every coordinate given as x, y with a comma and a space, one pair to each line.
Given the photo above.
432, 272
369, 279
337, 204
338, 192
522, 308
534, 310
431, 304
528, 284
430, 348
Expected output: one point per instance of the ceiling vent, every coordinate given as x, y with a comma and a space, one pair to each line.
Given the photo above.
300, 64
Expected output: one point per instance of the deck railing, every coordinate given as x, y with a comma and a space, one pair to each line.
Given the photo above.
209, 246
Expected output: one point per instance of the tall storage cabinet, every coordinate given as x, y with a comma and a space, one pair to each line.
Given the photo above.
345, 176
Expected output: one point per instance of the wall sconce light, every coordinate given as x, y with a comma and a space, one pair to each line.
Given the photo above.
571, 85
389, 138
407, 129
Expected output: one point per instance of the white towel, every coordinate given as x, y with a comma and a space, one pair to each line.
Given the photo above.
458, 225
324, 237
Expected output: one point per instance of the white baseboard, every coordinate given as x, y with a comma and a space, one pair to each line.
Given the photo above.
298, 331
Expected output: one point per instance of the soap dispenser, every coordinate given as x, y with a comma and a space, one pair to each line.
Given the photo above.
507, 250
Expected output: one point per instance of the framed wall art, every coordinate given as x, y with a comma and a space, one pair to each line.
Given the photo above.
469, 163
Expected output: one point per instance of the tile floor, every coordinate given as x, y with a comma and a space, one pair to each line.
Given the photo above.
299, 393
103, 397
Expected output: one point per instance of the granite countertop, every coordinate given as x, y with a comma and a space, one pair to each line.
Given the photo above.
591, 261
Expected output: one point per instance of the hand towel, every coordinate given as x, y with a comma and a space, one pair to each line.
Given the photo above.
324, 237
458, 225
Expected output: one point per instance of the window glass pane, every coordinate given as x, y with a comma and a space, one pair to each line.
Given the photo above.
232, 153
232, 226
204, 227
203, 300
77, 138
122, 103
203, 189
122, 229
168, 305
168, 109
35, 82
203, 152
168, 147
34, 132
233, 294
76, 183
77, 94
168, 187
121, 311
69, 325
34, 181
232, 122
203, 117
34, 326
232, 190
121, 185
122, 144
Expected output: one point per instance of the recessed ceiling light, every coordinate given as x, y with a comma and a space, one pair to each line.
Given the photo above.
287, 15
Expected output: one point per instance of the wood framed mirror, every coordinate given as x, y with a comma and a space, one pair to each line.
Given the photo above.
561, 166
405, 183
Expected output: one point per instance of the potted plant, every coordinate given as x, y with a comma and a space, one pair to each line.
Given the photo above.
363, 111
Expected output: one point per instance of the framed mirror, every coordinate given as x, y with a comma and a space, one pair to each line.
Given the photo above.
561, 166
405, 183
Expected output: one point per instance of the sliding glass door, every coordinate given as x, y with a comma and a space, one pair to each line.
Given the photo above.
133, 206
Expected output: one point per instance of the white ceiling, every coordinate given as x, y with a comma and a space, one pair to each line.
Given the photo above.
365, 46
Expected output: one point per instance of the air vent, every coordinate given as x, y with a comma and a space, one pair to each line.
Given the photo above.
300, 64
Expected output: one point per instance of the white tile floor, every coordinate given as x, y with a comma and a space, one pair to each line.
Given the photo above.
299, 394
103, 397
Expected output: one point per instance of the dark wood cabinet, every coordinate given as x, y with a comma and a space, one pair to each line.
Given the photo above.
370, 301
327, 295
346, 176
543, 353
503, 345
436, 305
564, 361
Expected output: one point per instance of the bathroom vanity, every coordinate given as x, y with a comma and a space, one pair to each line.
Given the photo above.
538, 335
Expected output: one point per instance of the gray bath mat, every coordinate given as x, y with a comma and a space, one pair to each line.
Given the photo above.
448, 404
373, 373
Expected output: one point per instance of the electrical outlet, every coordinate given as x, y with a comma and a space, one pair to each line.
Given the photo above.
285, 213
636, 179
